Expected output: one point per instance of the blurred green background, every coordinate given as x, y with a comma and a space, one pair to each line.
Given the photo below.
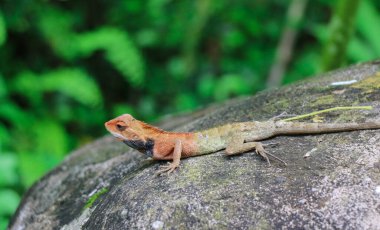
68, 66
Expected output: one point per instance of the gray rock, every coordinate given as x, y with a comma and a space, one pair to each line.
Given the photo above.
106, 185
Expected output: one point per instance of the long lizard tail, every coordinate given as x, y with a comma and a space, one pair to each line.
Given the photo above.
283, 127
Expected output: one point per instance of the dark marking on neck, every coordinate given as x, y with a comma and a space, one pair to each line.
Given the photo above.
145, 147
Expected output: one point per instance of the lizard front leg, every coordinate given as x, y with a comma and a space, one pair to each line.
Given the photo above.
237, 145
171, 166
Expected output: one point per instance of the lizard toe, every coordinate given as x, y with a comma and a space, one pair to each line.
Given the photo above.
168, 168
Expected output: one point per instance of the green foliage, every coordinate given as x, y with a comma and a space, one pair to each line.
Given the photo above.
12, 114
94, 197
341, 28
120, 51
68, 66
9, 200
73, 83
57, 26
366, 45
3, 87
231, 85
8, 166
3, 31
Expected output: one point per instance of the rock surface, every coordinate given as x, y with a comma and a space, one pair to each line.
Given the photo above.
106, 185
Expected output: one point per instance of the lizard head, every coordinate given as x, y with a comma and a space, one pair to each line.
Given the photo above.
132, 132
125, 127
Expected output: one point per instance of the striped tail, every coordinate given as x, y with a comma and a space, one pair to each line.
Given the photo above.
282, 127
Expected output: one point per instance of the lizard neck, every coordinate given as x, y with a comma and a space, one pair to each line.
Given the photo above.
145, 147
159, 144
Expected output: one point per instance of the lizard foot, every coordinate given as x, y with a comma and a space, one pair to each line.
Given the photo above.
168, 168
259, 149
264, 154
234, 148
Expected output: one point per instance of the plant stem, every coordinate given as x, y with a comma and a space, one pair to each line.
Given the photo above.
327, 110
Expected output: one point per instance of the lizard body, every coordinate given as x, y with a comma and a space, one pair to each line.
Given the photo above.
234, 138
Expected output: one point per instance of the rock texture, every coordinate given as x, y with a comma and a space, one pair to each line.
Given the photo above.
106, 185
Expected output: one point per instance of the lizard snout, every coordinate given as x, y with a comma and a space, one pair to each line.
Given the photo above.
108, 125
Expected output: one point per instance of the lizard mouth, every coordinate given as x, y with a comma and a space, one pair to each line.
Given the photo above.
118, 136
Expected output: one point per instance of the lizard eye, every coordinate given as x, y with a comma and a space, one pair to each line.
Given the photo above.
120, 127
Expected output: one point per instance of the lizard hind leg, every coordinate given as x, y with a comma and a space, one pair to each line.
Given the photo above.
235, 147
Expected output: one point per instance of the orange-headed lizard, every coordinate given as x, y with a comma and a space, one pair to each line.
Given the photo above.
235, 138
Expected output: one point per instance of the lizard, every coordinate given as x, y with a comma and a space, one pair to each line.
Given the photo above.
234, 138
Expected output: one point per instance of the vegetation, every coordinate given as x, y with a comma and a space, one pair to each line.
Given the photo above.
68, 66
94, 197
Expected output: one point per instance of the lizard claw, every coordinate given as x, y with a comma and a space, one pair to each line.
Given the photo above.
270, 144
168, 168
281, 115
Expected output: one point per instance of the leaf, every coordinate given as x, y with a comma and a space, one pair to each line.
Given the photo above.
119, 109
8, 173
156, 10
185, 101
34, 165
320, 32
3, 223
359, 50
56, 26
27, 84
74, 83
9, 200
230, 85
40, 148
365, 45
50, 139
341, 26
4, 138
119, 48
368, 22
176, 67
3, 29
146, 107
3, 87
206, 86
305, 64
13, 114
233, 39
94, 197
147, 38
